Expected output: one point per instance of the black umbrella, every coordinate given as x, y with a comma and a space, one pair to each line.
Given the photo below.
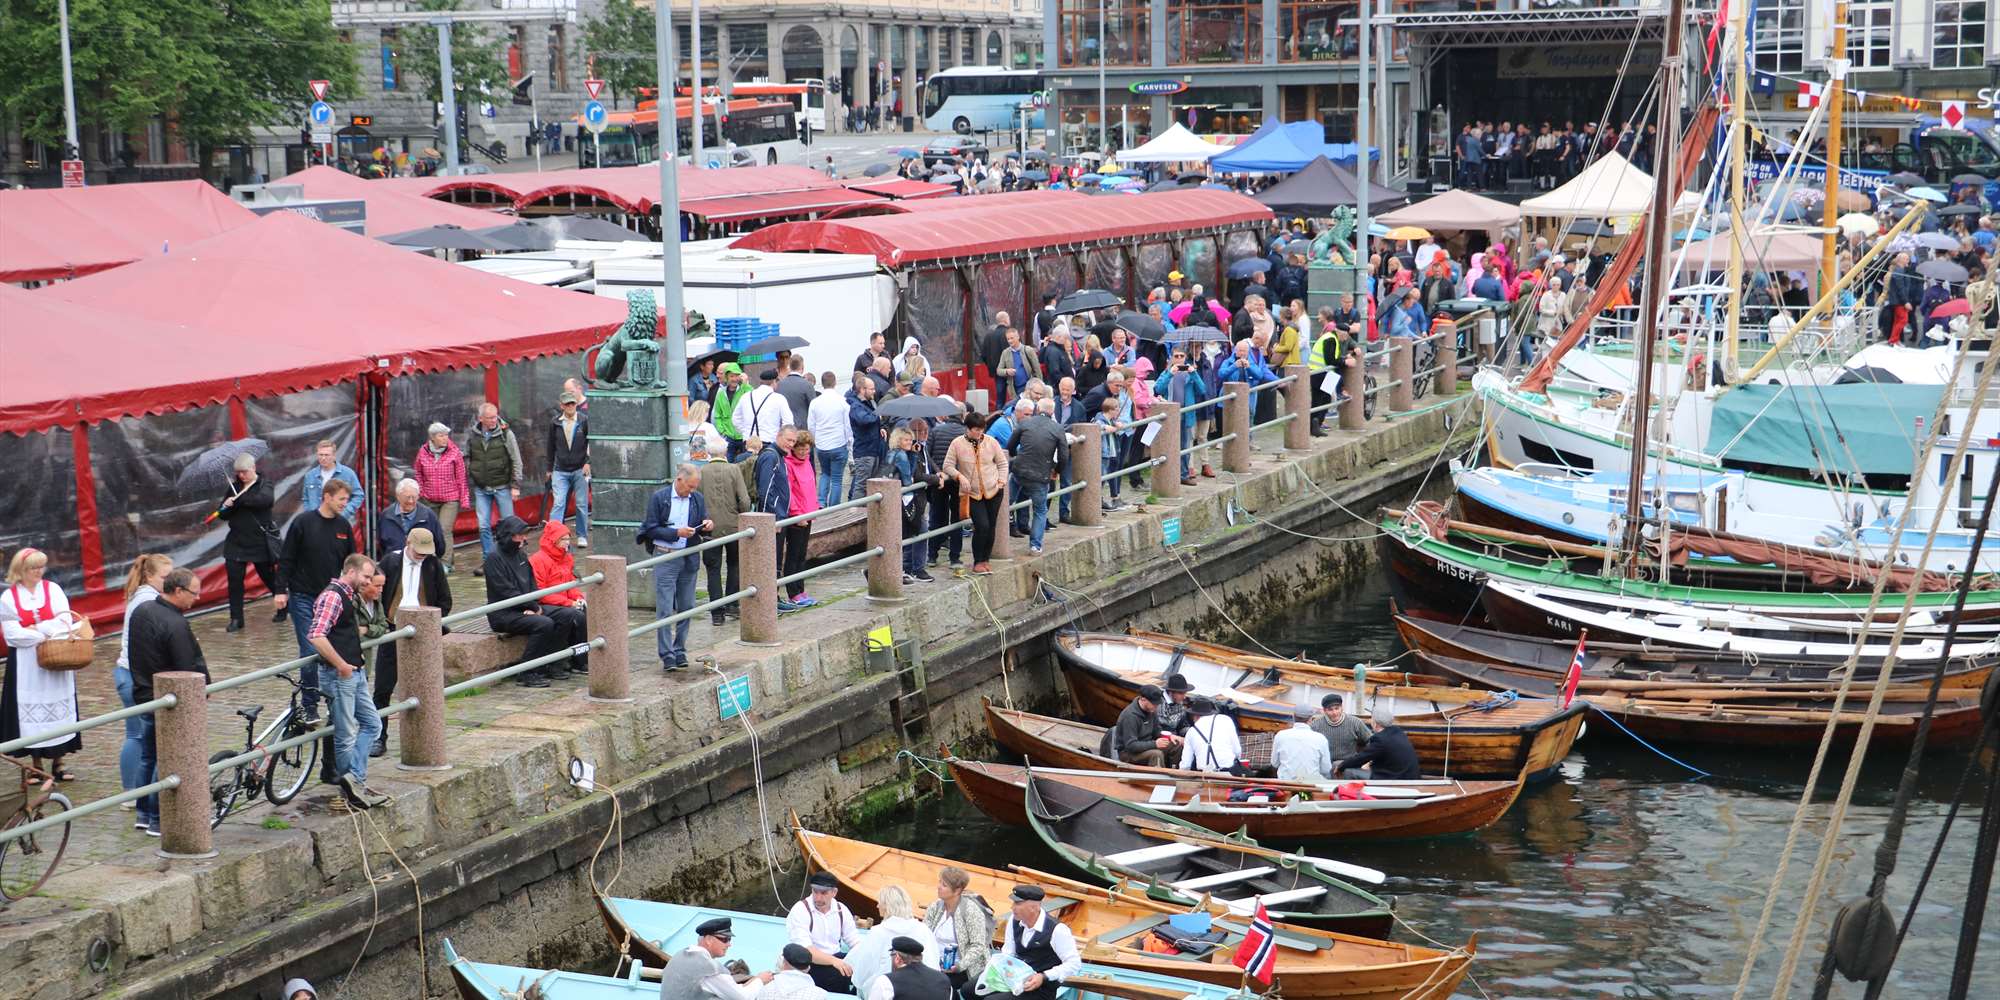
716, 354
772, 345
1035, 156
1038, 176
918, 408
1085, 300
1959, 209
1248, 266
522, 235
1942, 270
1166, 185
442, 237
1904, 179
1969, 179
876, 170
1586, 227
1140, 325
1195, 335
1867, 373
211, 471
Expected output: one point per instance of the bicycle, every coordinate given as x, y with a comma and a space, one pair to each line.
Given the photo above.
277, 776
28, 862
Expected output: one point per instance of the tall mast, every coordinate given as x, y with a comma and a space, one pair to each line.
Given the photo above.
1837, 67
1739, 30
1657, 273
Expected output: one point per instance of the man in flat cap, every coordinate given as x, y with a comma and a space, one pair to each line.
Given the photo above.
794, 979
825, 927
1345, 734
1040, 941
908, 977
1137, 738
696, 973
1173, 712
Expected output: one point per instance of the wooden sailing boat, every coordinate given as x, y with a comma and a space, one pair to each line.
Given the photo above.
1110, 929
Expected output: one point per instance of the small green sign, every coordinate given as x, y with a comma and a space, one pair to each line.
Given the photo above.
1170, 530
733, 696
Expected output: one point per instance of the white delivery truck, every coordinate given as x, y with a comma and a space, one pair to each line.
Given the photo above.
835, 301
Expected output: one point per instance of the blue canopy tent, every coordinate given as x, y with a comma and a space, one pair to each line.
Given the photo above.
1278, 147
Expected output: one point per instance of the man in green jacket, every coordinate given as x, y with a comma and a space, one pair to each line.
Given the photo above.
493, 464
727, 497
723, 413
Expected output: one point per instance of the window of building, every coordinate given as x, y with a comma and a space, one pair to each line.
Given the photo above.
1958, 34
1780, 36
558, 64
1868, 42
1126, 31
1215, 31
1318, 30
517, 52
391, 78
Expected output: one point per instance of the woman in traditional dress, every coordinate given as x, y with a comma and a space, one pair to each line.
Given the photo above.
33, 700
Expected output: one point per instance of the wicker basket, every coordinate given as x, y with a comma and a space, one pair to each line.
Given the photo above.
72, 651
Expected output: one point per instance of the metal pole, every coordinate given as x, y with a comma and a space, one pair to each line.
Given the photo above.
69, 83
1658, 273
1384, 122
449, 86
694, 74
535, 123
1103, 118
1361, 137
1739, 114
1838, 66
674, 364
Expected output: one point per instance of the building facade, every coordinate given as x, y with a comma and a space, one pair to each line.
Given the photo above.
1216, 66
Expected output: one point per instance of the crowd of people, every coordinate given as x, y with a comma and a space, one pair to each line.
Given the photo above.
1488, 156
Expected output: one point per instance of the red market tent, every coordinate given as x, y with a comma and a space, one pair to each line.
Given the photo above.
49, 234
390, 210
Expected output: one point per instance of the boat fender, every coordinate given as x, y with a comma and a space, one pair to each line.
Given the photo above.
1864, 939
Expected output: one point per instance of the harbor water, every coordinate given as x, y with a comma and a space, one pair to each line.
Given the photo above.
1627, 876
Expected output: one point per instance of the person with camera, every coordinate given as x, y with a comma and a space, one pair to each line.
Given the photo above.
1182, 384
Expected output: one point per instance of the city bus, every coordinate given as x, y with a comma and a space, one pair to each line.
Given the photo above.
807, 97
972, 98
752, 131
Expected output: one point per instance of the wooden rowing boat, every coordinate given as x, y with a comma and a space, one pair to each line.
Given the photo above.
493, 981
1455, 730
1118, 843
1622, 661
655, 931
1311, 964
1430, 807
1795, 721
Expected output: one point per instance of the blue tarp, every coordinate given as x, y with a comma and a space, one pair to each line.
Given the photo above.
1280, 147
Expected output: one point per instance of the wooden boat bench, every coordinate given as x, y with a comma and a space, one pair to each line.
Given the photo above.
1204, 882
1133, 929
1145, 855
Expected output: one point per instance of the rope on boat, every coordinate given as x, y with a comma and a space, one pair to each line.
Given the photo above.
375, 883
757, 783
1698, 772
929, 765
1006, 685
527, 989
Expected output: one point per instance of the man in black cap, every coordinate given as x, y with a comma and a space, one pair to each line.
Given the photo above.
1345, 735
1389, 755
695, 973
908, 977
1137, 739
794, 978
1173, 712
1040, 941
825, 927
1211, 743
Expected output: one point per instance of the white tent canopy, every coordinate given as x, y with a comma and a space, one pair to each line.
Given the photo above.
1175, 145
1608, 188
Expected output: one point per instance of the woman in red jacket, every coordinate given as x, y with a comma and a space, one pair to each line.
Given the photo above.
554, 564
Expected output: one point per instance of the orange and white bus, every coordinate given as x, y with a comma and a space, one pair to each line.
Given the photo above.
747, 131
807, 97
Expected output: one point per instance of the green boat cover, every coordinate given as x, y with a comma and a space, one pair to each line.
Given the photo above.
1865, 427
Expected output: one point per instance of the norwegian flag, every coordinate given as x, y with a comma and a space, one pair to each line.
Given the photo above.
1575, 674
1810, 93
1258, 954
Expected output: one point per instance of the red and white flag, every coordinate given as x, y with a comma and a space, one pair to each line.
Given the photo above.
1810, 93
1954, 114
1575, 674
1258, 954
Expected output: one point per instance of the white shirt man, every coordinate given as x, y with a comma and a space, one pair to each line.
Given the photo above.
1212, 743
826, 928
696, 972
1028, 932
762, 412
1300, 754
826, 416
792, 981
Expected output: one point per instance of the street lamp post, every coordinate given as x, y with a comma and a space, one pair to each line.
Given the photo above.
673, 361
1103, 116
450, 89
694, 71
69, 85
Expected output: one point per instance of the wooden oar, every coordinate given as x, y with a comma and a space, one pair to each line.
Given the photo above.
1358, 873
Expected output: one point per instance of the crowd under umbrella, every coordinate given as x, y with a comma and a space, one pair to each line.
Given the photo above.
1086, 300
1140, 325
1936, 241
876, 169
1198, 334
1248, 266
1035, 156
1903, 179
918, 407
1960, 209
212, 471
1037, 176
763, 350
444, 236
1943, 270
1974, 179
1952, 307
1859, 222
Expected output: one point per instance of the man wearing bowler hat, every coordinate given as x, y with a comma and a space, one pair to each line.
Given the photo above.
696, 973
825, 927
1040, 941
1174, 711
908, 977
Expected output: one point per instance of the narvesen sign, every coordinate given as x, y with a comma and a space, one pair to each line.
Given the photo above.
1158, 87
1989, 98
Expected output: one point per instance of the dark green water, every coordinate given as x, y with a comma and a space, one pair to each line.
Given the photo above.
1622, 878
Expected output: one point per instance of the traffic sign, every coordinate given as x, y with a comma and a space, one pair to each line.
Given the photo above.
593, 88
72, 173
321, 113
322, 136
595, 117
319, 88
1954, 114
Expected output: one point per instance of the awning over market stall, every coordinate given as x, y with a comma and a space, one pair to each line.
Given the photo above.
766, 206
900, 188
1175, 145
1609, 187
1319, 186
1454, 210
1761, 252
257, 312
48, 234
389, 210
1281, 147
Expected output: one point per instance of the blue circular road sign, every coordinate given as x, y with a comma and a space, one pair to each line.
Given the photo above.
321, 113
594, 116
